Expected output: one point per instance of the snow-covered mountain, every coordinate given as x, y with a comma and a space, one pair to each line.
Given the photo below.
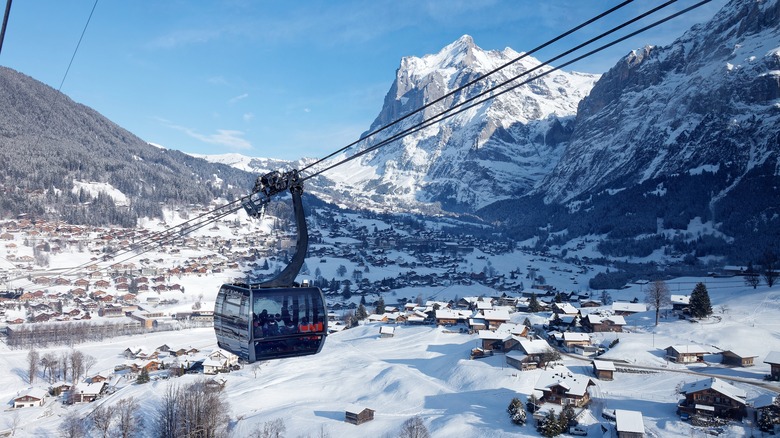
709, 101
495, 150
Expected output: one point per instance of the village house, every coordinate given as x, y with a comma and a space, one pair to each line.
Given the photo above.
773, 359
680, 303
622, 308
30, 398
572, 339
596, 323
561, 386
529, 355
629, 424
713, 397
604, 369
494, 318
89, 392
686, 353
738, 358
386, 331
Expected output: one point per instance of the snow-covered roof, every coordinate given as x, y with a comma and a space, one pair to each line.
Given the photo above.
566, 308
574, 337
491, 335
535, 346
386, 330
718, 385
620, 306
773, 357
38, 393
689, 349
496, 315
629, 421
681, 299
575, 384
604, 365
598, 319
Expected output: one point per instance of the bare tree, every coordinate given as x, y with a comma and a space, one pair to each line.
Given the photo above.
414, 428
89, 362
32, 364
752, 279
48, 364
73, 426
195, 410
271, 429
15, 420
65, 365
128, 424
102, 419
657, 296
769, 267
76, 364
167, 420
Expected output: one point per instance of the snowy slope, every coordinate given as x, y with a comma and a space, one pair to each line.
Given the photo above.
425, 371
711, 98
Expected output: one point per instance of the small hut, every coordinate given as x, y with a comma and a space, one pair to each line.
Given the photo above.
356, 415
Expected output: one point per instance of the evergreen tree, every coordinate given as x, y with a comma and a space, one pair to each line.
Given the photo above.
143, 377
516, 411
346, 293
700, 305
361, 313
380, 306
566, 416
533, 305
550, 426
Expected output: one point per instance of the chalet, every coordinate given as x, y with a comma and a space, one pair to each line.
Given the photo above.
529, 355
223, 355
386, 331
572, 339
445, 316
356, 415
773, 359
603, 369
585, 303
686, 353
564, 309
89, 393
596, 323
214, 366
629, 424
738, 358
495, 318
680, 302
713, 397
499, 341
561, 386
625, 308
32, 397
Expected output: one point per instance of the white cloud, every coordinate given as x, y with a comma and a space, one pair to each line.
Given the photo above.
229, 138
248, 117
238, 98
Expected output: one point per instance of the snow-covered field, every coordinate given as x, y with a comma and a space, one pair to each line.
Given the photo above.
425, 371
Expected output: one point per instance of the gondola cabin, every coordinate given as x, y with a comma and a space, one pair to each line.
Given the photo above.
270, 323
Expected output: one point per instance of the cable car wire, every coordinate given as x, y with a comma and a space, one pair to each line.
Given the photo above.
170, 234
462, 106
472, 82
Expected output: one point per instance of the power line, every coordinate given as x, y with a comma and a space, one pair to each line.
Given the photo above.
5, 23
77, 47
461, 107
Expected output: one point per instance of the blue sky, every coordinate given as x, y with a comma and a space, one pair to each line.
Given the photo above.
277, 79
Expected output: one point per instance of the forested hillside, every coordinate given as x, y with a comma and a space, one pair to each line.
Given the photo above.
53, 151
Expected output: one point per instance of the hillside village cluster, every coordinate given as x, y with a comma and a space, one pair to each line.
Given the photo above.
102, 300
